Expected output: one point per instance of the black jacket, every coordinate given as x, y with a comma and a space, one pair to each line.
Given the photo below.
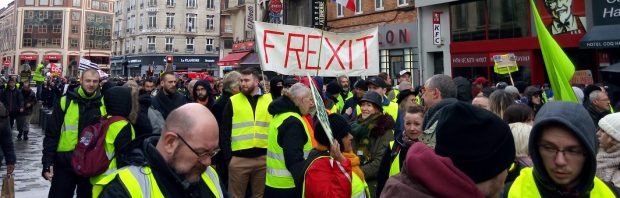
12, 100
6, 142
89, 114
29, 101
352, 103
292, 138
170, 183
383, 174
594, 114
226, 130
143, 124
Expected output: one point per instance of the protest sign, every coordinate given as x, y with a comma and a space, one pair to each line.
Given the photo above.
294, 50
505, 64
321, 113
583, 77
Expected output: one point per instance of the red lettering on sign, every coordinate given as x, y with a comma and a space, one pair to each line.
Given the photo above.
296, 50
265, 45
350, 55
335, 54
308, 67
365, 49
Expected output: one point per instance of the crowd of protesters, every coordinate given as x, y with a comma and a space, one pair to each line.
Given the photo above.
247, 135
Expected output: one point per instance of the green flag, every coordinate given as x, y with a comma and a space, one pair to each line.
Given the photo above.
559, 68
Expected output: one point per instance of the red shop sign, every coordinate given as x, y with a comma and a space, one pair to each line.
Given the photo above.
27, 57
52, 57
470, 60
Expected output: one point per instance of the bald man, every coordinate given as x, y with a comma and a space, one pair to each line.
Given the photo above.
179, 160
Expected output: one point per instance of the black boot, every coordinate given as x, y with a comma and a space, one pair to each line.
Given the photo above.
19, 136
25, 135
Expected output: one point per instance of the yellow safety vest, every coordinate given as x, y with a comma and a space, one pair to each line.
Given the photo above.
359, 187
391, 110
38, 77
113, 130
249, 129
395, 167
140, 182
525, 186
396, 92
278, 175
69, 129
341, 101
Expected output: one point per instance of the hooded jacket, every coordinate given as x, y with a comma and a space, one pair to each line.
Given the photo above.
29, 101
575, 118
210, 98
170, 183
274, 89
143, 124
445, 179
292, 138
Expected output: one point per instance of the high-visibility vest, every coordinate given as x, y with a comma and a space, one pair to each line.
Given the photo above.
69, 129
249, 129
113, 130
359, 187
341, 101
38, 76
396, 92
418, 100
391, 110
525, 186
140, 182
278, 175
395, 167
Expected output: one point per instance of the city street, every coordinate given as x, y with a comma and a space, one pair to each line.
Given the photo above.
28, 180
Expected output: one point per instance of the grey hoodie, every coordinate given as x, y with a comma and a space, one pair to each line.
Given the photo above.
574, 117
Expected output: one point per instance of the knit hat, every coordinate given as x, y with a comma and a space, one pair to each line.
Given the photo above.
360, 84
379, 82
512, 89
479, 143
339, 126
117, 100
374, 98
333, 88
611, 125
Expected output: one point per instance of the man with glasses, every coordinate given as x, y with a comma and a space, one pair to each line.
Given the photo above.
563, 148
440, 91
175, 164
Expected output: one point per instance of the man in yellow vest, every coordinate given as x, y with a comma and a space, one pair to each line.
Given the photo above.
76, 110
345, 94
245, 123
38, 78
289, 142
563, 148
175, 164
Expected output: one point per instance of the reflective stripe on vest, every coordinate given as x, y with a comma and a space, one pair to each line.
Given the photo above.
69, 129
359, 187
525, 186
278, 175
391, 110
331, 161
395, 167
140, 182
113, 131
249, 129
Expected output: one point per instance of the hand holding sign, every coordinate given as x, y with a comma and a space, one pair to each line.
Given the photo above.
321, 113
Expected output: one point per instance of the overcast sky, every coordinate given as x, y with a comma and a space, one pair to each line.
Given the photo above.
3, 3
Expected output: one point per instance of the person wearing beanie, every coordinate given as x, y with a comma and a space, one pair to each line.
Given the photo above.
121, 104
372, 132
332, 97
465, 163
395, 156
534, 97
563, 148
350, 105
608, 157
330, 165
276, 84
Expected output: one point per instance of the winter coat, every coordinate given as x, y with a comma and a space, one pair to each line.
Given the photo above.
291, 137
29, 101
608, 164
594, 113
575, 118
350, 103
161, 106
170, 183
372, 137
399, 148
13, 100
143, 124
430, 121
415, 179
325, 178
463, 88
6, 143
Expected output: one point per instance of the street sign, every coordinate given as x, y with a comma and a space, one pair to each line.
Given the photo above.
275, 6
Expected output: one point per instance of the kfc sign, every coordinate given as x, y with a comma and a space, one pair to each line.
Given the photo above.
437, 28
294, 50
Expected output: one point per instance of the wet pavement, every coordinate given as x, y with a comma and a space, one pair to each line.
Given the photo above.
28, 180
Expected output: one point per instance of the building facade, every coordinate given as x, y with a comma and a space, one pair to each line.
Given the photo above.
460, 38
397, 23
8, 32
57, 31
146, 31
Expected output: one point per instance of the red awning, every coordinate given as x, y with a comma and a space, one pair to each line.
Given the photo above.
232, 59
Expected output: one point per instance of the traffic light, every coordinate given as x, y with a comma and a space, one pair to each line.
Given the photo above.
169, 59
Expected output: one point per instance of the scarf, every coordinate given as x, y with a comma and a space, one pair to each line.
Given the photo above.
168, 103
355, 164
607, 162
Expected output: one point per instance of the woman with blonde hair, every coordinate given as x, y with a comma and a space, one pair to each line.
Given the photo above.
608, 157
521, 134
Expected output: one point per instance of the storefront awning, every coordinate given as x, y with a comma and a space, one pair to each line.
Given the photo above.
600, 37
232, 58
251, 59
